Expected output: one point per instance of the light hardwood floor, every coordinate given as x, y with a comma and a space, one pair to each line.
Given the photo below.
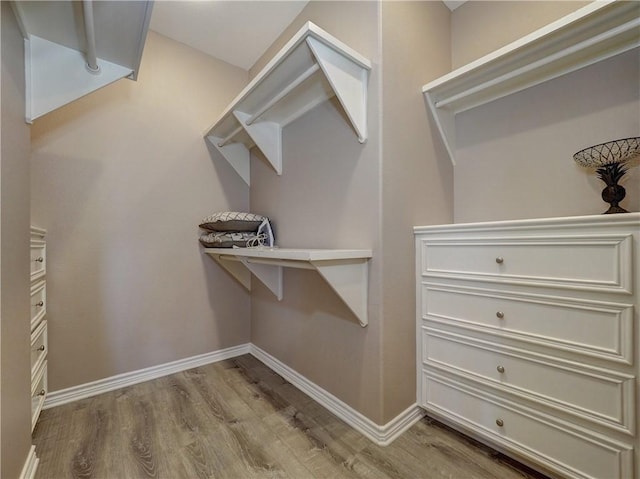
237, 419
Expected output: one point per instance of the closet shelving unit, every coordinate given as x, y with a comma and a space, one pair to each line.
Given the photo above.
310, 69
345, 270
591, 34
74, 48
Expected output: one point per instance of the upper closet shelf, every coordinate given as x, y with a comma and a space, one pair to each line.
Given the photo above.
74, 48
310, 69
591, 34
345, 270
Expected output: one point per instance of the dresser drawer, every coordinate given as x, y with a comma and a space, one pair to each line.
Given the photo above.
601, 263
602, 396
38, 303
592, 328
39, 347
38, 259
571, 451
38, 393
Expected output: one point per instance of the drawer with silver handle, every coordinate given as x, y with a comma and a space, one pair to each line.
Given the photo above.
592, 328
38, 259
592, 263
602, 396
38, 393
39, 347
571, 451
38, 303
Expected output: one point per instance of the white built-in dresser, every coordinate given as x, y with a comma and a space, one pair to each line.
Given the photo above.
39, 344
528, 338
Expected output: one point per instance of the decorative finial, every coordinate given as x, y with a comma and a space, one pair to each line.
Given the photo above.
611, 160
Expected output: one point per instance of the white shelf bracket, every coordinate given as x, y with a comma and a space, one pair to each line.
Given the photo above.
237, 154
56, 75
349, 281
269, 275
446, 122
349, 82
235, 269
267, 136
346, 271
242, 268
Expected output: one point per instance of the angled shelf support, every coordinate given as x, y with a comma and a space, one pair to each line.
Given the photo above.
346, 271
237, 154
65, 61
349, 82
310, 69
57, 75
589, 35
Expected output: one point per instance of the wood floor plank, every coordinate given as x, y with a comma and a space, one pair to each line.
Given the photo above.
313, 455
237, 419
448, 447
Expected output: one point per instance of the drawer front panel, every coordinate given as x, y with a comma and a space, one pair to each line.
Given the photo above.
38, 259
601, 396
39, 347
590, 263
571, 452
38, 394
38, 303
597, 329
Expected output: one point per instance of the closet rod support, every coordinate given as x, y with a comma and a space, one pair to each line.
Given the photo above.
92, 59
227, 139
283, 93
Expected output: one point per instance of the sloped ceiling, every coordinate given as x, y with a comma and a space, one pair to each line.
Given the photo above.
235, 31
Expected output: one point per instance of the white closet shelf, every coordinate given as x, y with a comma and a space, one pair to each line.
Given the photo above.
345, 270
591, 34
62, 38
310, 69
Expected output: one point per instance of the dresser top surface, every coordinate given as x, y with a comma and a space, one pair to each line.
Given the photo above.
620, 219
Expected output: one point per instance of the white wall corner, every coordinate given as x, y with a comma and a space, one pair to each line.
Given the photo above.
383, 435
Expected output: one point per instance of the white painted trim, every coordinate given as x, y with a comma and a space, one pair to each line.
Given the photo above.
382, 435
30, 465
82, 391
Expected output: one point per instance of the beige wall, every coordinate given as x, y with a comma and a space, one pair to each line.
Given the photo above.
514, 155
337, 193
479, 27
15, 365
120, 179
327, 197
417, 177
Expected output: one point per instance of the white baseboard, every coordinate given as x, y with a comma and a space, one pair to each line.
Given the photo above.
381, 435
82, 391
30, 465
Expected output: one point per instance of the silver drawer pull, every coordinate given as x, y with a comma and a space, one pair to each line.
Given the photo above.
39, 259
500, 369
41, 348
42, 392
499, 422
500, 315
499, 260
40, 304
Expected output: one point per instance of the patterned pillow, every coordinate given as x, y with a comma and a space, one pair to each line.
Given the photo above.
226, 240
232, 221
